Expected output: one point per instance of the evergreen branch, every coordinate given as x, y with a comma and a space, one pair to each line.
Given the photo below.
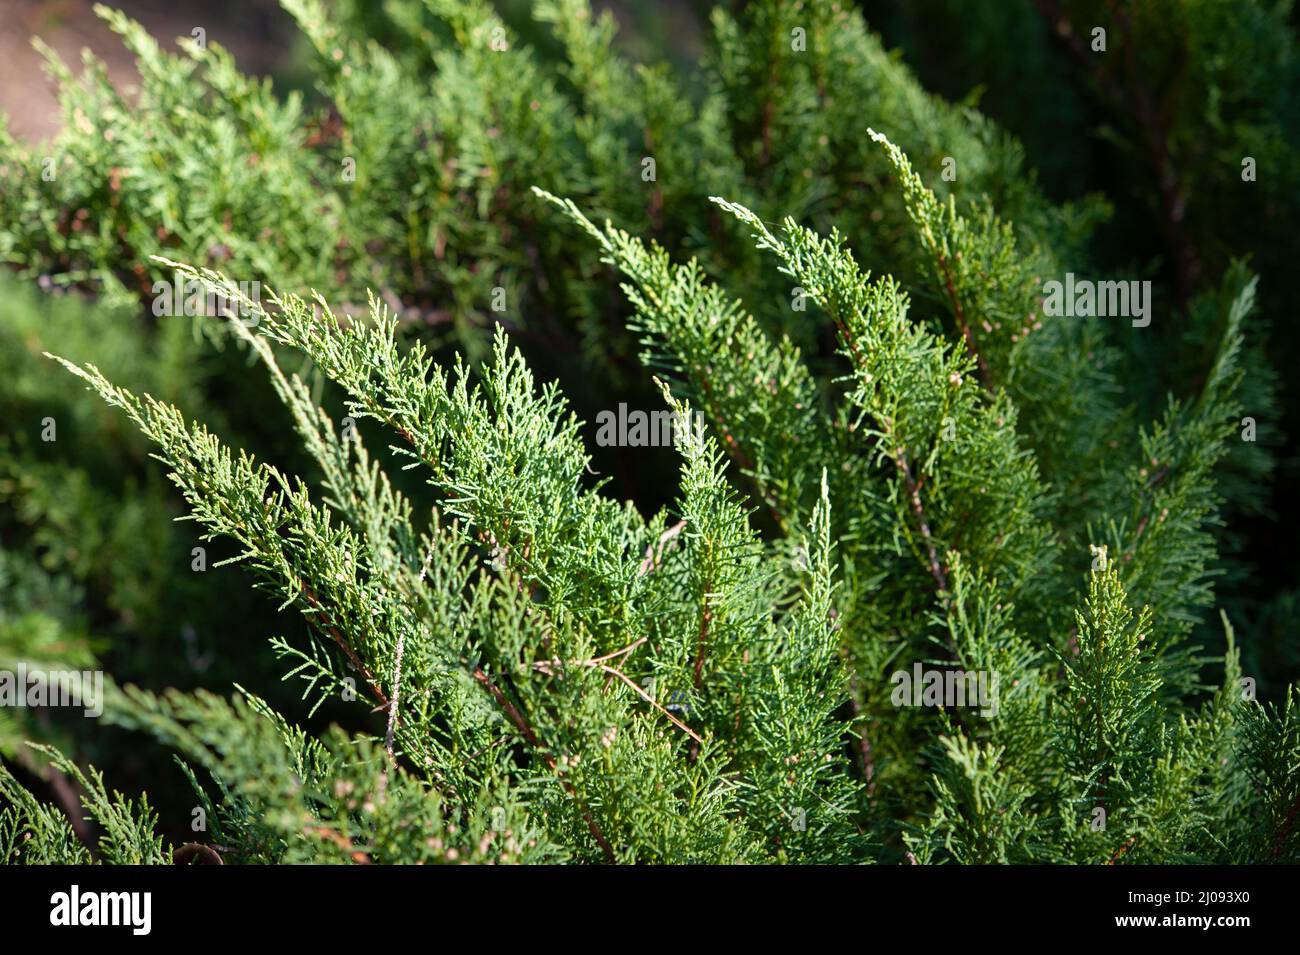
601, 663
515, 716
927, 539
962, 324
802, 262
321, 618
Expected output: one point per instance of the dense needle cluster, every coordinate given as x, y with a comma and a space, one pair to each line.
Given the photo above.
904, 462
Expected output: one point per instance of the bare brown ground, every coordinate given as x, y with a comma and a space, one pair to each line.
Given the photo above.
251, 29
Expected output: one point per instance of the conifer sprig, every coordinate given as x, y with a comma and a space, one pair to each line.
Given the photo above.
904, 464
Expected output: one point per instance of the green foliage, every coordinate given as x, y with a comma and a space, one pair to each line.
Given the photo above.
885, 457
34, 833
528, 655
1187, 120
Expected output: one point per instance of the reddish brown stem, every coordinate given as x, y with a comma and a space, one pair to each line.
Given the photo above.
912, 485
324, 623
959, 314
526, 731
